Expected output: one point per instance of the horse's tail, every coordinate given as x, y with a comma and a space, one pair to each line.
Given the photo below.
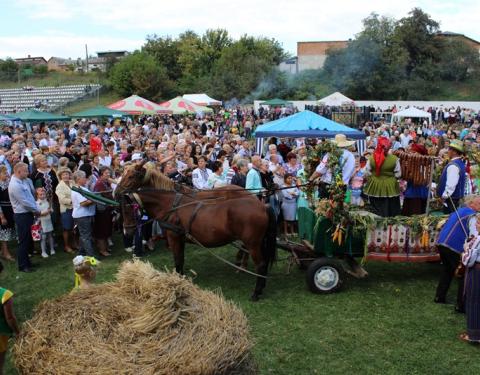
269, 245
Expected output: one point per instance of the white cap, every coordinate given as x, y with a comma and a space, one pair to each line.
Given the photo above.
137, 156
78, 260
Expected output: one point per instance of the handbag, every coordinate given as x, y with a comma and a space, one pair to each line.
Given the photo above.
36, 230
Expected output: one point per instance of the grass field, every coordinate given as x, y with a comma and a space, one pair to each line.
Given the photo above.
80, 105
386, 324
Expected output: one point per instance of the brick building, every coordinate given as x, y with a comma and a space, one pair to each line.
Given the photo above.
31, 61
312, 55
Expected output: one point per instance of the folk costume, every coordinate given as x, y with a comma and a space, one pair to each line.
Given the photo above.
450, 246
471, 260
451, 187
416, 196
382, 188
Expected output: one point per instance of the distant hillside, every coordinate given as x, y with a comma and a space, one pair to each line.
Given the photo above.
55, 79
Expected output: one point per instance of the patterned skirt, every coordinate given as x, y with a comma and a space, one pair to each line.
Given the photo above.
7, 234
472, 302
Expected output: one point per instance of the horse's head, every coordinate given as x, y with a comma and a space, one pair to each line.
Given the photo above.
131, 213
132, 178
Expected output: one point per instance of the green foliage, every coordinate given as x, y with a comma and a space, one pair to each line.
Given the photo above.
8, 70
214, 62
40, 69
139, 74
404, 59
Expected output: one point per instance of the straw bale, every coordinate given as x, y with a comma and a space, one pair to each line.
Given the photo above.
146, 322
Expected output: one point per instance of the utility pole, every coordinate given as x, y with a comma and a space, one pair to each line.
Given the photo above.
86, 55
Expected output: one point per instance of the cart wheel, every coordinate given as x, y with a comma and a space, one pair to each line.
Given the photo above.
325, 275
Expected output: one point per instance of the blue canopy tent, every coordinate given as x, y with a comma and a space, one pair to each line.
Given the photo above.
306, 124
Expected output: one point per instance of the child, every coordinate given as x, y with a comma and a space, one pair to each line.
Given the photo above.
85, 271
45, 222
356, 183
8, 322
289, 205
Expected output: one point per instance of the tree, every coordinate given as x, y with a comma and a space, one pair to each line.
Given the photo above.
417, 34
458, 61
139, 73
8, 70
165, 51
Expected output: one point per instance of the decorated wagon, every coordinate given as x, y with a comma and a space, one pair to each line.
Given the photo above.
333, 233
370, 237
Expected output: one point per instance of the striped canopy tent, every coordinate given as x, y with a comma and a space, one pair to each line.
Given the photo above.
181, 106
136, 105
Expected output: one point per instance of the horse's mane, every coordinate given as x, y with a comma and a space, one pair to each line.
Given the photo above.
156, 179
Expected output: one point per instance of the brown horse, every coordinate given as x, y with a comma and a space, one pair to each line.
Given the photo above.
212, 218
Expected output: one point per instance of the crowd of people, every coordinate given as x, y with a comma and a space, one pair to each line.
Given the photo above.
40, 163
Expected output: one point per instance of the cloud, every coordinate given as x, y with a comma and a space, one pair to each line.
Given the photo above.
285, 20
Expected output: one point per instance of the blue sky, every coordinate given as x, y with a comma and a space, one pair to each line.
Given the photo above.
63, 27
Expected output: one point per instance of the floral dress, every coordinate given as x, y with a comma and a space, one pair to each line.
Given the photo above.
7, 232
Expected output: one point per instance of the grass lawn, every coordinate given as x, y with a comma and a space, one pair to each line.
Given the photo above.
386, 324
105, 99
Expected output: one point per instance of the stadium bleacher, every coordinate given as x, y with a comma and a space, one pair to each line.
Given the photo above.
48, 98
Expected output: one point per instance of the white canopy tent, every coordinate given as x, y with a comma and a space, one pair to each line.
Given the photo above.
336, 99
202, 99
411, 112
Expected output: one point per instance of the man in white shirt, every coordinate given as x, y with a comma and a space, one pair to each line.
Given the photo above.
347, 163
201, 174
405, 138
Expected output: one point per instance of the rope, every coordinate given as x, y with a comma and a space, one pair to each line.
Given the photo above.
198, 243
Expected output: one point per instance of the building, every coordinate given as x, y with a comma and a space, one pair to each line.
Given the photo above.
31, 61
104, 58
289, 65
112, 54
312, 55
455, 36
61, 64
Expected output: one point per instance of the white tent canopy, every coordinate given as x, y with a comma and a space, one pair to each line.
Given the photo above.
336, 99
202, 99
411, 112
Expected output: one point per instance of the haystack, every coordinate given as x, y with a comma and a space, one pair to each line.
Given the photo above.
146, 322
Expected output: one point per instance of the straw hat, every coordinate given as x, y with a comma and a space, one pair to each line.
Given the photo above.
457, 145
341, 141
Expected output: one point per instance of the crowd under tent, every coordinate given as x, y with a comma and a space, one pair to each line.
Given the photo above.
411, 112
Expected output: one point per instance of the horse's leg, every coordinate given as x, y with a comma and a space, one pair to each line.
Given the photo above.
260, 268
177, 245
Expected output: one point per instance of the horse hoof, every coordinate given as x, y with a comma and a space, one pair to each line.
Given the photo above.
255, 298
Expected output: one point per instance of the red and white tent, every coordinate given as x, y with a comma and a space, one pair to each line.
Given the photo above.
180, 106
136, 105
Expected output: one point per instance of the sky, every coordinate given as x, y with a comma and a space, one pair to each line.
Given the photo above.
62, 27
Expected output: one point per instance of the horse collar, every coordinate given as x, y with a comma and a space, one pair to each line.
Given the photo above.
138, 200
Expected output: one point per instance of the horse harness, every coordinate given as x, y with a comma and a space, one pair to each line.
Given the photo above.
166, 221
